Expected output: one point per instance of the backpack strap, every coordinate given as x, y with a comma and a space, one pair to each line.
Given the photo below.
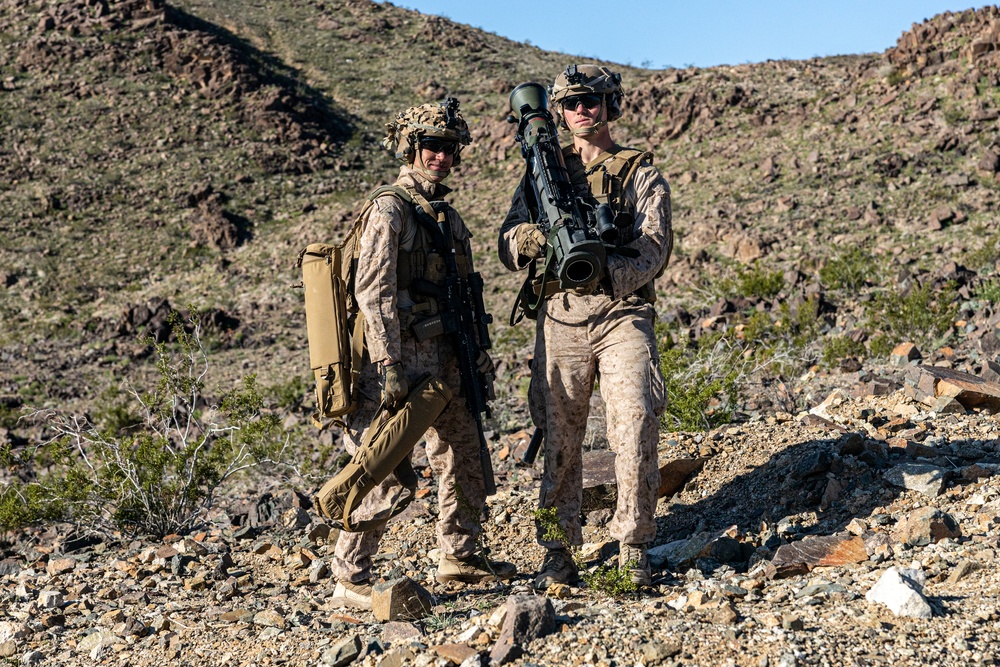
610, 173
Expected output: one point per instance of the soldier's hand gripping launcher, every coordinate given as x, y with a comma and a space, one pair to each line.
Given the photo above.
575, 256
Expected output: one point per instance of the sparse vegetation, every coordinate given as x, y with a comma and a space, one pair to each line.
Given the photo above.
838, 348
605, 578
986, 255
850, 270
703, 389
921, 314
989, 291
153, 466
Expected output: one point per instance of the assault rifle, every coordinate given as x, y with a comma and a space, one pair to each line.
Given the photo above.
579, 235
465, 320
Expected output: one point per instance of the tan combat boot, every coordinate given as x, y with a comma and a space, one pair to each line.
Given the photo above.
351, 595
632, 558
473, 569
557, 568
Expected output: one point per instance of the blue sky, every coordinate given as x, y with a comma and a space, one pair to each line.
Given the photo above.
703, 33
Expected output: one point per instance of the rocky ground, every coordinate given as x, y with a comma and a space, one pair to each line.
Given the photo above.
769, 556
163, 156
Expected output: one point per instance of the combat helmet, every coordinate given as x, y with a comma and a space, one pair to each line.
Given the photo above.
590, 79
444, 121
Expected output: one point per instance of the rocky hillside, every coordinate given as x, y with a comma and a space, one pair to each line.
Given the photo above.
175, 156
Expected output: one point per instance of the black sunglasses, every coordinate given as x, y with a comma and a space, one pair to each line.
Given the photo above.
439, 145
591, 101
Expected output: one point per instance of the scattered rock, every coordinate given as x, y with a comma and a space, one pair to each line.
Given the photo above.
927, 525
528, 618
927, 479
900, 590
343, 653
401, 599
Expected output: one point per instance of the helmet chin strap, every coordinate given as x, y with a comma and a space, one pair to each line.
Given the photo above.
419, 166
592, 129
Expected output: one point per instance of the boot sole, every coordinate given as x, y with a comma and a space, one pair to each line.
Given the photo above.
347, 603
471, 578
569, 581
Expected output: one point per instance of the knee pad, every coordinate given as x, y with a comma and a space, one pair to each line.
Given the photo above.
385, 449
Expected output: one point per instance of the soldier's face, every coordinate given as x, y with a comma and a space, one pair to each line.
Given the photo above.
580, 115
438, 164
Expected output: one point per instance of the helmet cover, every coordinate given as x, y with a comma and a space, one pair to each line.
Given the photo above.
590, 79
444, 121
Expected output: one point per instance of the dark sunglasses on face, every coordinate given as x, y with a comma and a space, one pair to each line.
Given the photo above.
439, 146
589, 101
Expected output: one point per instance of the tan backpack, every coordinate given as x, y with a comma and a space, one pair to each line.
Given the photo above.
334, 325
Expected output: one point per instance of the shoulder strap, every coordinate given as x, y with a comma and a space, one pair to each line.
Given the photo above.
397, 190
620, 161
409, 195
610, 173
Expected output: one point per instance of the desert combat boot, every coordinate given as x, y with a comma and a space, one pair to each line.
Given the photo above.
557, 568
473, 569
350, 595
632, 558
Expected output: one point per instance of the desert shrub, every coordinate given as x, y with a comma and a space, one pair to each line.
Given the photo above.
837, 348
989, 290
921, 315
706, 381
153, 466
754, 281
761, 283
703, 386
605, 578
880, 345
849, 270
289, 395
611, 580
778, 339
985, 255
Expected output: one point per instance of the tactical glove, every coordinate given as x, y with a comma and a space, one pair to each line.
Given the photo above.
530, 240
394, 385
485, 363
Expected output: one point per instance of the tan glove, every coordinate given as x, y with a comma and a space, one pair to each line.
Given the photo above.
394, 385
529, 240
485, 363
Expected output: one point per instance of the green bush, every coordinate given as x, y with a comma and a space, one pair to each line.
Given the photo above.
155, 473
989, 290
612, 581
850, 270
987, 254
758, 282
921, 315
706, 381
880, 346
290, 395
702, 388
607, 579
754, 281
838, 348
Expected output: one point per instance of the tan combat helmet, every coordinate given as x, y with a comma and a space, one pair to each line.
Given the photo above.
590, 79
426, 120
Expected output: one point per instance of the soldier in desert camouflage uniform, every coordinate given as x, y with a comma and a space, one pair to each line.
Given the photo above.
603, 331
395, 253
